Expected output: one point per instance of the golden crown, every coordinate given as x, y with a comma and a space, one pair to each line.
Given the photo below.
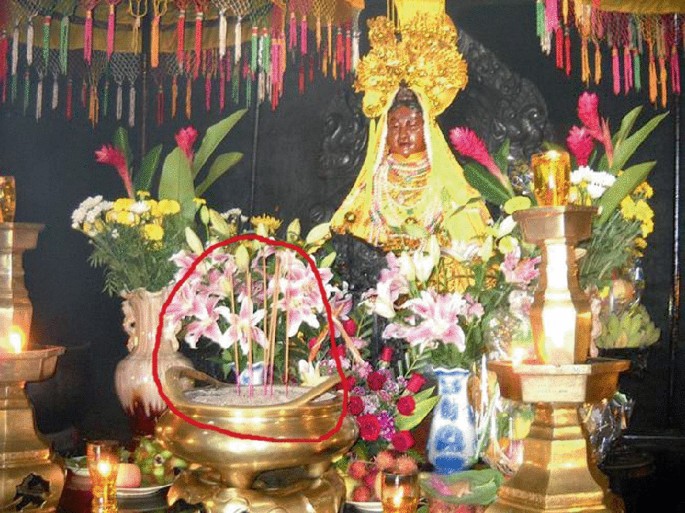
422, 53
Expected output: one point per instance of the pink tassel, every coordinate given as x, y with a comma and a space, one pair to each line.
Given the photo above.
180, 38
339, 51
110, 31
310, 63
292, 32
88, 37
348, 49
615, 71
208, 93
559, 47
301, 78
551, 15
222, 84
627, 70
228, 66
675, 70
303, 35
198, 44
567, 52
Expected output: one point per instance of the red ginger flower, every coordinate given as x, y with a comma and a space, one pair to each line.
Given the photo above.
467, 143
402, 441
588, 113
108, 154
580, 144
185, 139
406, 405
369, 427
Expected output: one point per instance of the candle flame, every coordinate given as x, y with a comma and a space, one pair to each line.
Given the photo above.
518, 355
16, 339
104, 468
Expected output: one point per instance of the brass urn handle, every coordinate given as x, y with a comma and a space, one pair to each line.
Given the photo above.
316, 391
177, 380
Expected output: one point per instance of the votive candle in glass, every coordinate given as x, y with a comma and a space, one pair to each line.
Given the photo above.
8, 199
103, 464
551, 177
400, 493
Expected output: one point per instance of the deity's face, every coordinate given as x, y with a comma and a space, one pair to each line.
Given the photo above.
405, 131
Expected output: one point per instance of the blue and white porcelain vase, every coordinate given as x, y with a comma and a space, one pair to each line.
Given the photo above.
452, 438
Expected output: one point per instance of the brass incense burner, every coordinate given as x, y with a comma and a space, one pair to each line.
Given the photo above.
236, 474
31, 476
557, 474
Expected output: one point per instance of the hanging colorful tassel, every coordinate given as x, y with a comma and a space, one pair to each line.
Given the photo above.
14, 86
248, 84
615, 72
348, 49
228, 65
304, 36
55, 92
551, 15
69, 100
39, 98
540, 19
47, 21
200, 6
564, 11
253, 48
339, 55
652, 73
159, 9
292, 32
222, 84
265, 50
120, 101
27, 91
111, 24
637, 78
238, 40
329, 39
559, 53
4, 51
355, 42
93, 106
84, 94
235, 85
663, 81
675, 70
208, 93
318, 34
174, 96
584, 62
29, 41
223, 32
64, 44
104, 105
89, 5
627, 70
131, 104
598, 63
160, 105
182, 5
189, 97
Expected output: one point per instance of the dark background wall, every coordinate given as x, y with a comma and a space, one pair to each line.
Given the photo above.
54, 165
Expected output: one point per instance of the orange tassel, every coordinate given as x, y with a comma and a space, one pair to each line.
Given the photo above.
615, 71
598, 64
154, 42
174, 96
652, 74
189, 98
584, 62
564, 11
663, 79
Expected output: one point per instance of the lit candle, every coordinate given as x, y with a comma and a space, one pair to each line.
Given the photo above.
14, 342
551, 177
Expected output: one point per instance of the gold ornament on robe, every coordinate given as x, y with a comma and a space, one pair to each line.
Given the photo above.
426, 60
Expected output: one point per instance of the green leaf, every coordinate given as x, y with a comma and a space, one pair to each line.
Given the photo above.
625, 150
424, 394
487, 185
215, 134
221, 164
176, 182
148, 167
120, 141
624, 185
502, 157
404, 423
627, 124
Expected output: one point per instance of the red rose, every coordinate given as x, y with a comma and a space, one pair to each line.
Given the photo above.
402, 441
355, 405
350, 327
386, 354
369, 427
406, 405
376, 380
415, 383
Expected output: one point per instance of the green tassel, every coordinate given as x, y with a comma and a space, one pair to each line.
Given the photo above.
253, 53
13, 89
105, 98
637, 81
46, 44
540, 18
64, 44
248, 92
235, 84
266, 53
27, 92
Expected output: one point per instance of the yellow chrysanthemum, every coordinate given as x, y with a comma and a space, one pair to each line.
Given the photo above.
154, 207
142, 195
270, 223
168, 207
123, 204
643, 211
125, 217
640, 243
647, 227
628, 208
199, 201
153, 232
645, 190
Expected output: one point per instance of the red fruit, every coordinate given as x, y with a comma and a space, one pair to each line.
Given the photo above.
370, 479
350, 327
362, 494
357, 470
384, 460
128, 475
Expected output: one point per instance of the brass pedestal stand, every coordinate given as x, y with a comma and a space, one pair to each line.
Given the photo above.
557, 474
29, 473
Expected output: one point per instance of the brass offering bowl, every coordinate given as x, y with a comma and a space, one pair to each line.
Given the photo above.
238, 461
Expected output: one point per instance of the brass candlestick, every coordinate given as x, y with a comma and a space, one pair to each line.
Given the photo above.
30, 474
557, 474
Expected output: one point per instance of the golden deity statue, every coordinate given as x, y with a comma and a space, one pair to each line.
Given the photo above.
410, 176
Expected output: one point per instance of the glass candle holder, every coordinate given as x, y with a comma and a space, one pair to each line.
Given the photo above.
8, 199
551, 177
400, 493
103, 464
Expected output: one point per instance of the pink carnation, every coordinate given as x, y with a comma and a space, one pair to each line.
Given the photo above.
580, 144
108, 154
468, 144
185, 139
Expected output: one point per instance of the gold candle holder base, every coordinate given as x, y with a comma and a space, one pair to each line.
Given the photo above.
280, 491
23, 452
557, 474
